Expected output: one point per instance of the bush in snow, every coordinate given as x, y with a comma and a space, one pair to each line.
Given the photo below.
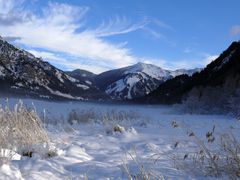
21, 129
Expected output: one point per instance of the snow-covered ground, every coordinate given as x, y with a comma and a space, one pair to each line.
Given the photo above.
93, 150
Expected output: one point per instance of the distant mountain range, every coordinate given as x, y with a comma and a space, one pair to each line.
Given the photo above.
23, 74
129, 82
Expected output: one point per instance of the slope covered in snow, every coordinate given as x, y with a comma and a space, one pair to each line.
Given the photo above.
21, 73
82, 76
135, 81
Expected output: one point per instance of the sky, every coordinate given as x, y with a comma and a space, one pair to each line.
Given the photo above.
99, 35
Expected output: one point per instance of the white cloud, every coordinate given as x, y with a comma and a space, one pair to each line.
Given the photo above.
7, 6
209, 58
235, 30
57, 30
181, 64
47, 55
11, 12
69, 64
61, 29
118, 25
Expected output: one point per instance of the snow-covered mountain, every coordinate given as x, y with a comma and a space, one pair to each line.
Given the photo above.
135, 81
21, 73
212, 88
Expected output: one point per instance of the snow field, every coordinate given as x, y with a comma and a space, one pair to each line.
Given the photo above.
143, 144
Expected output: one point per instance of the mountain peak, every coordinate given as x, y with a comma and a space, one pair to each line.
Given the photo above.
149, 69
142, 64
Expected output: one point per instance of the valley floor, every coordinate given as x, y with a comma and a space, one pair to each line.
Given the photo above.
145, 143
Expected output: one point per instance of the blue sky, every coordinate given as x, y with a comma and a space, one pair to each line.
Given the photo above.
99, 35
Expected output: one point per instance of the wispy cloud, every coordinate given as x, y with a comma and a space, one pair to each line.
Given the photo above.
11, 38
60, 31
62, 60
181, 63
118, 25
235, 30
161, 24
152, 32
11, 12
155, 29
57, 30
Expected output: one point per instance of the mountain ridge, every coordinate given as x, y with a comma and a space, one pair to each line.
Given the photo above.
222, 74
24, 74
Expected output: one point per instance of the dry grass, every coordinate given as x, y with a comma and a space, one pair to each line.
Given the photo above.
140, 172
20, 129
218, 155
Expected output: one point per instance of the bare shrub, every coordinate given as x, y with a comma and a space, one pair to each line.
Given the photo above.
140, 172
20, 129
218, 155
